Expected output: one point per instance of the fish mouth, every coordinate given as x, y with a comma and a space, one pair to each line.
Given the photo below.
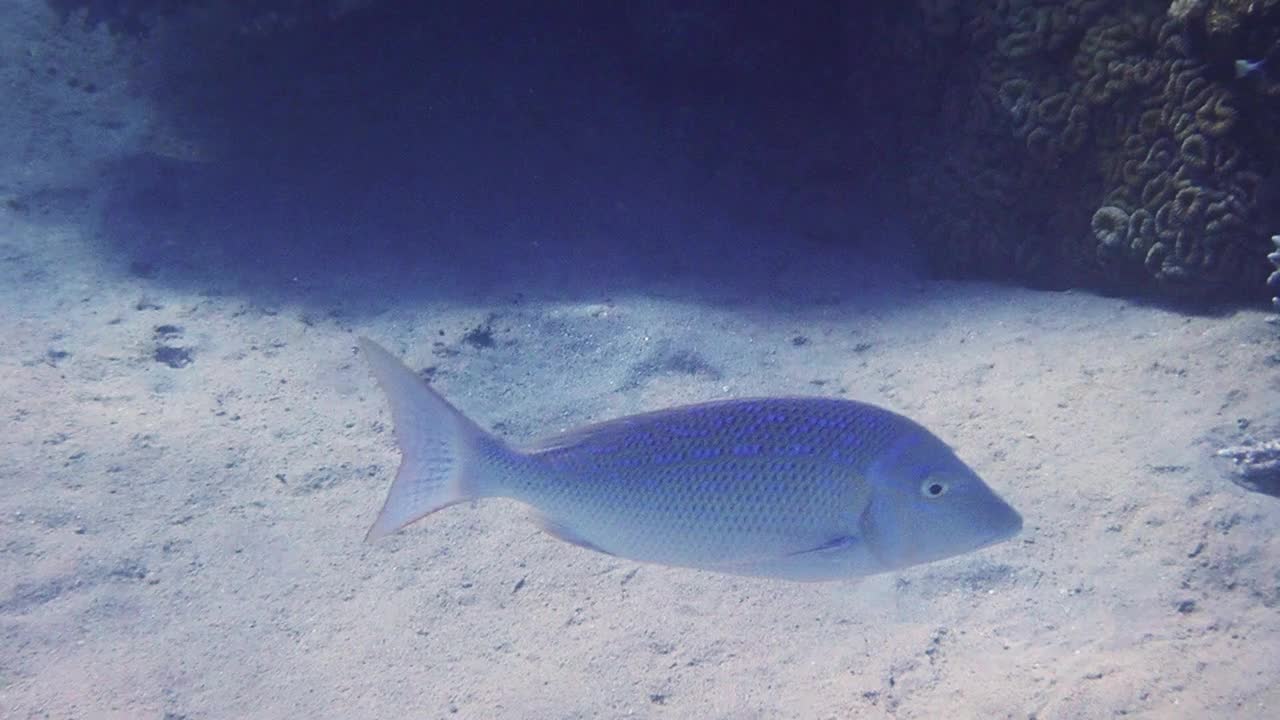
1008, 523
999, 522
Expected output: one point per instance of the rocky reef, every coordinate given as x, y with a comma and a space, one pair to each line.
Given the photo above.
1105, 142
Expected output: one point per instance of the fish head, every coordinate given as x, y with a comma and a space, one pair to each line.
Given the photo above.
926, 504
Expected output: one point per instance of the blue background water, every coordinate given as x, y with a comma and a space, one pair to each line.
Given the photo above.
497, 142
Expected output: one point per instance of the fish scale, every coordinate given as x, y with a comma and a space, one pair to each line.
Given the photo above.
791, 487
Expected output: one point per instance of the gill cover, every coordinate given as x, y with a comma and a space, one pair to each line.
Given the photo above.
926, 505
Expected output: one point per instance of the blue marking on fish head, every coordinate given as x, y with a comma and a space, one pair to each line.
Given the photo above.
926, 504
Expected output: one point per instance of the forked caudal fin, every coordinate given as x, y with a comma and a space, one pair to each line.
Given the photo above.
437, 443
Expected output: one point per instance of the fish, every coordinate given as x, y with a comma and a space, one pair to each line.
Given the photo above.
794, 488
1245, 68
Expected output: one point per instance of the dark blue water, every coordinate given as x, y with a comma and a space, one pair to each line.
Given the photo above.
470, 140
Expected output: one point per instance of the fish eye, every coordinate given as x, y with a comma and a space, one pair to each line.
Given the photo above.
933, 488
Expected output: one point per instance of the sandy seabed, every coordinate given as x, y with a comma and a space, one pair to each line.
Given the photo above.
188, 471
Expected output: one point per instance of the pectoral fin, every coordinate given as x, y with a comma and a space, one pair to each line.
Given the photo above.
844, 557
839, 544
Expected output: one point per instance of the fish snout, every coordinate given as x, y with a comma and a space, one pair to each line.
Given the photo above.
1004, 522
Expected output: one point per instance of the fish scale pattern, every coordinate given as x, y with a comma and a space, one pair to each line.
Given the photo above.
718, 482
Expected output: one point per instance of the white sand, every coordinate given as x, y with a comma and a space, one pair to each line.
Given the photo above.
186, 543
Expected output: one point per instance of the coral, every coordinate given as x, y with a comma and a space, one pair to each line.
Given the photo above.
1224, 18
1187, 171
1182, 9
1111, 227
1254, 466
1168, 153
1274, 279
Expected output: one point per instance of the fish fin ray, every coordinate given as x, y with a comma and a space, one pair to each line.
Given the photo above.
437, 466
560, 531
837, 544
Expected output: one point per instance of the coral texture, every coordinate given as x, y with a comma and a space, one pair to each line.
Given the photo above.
1274, 278
1168, 154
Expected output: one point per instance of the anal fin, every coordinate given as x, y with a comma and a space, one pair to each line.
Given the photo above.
560, 531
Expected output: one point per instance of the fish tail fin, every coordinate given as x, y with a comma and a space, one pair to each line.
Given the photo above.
439, 463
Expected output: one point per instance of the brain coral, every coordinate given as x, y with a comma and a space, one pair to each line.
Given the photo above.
1168, 154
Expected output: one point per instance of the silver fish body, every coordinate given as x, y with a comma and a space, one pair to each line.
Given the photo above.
796, 488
